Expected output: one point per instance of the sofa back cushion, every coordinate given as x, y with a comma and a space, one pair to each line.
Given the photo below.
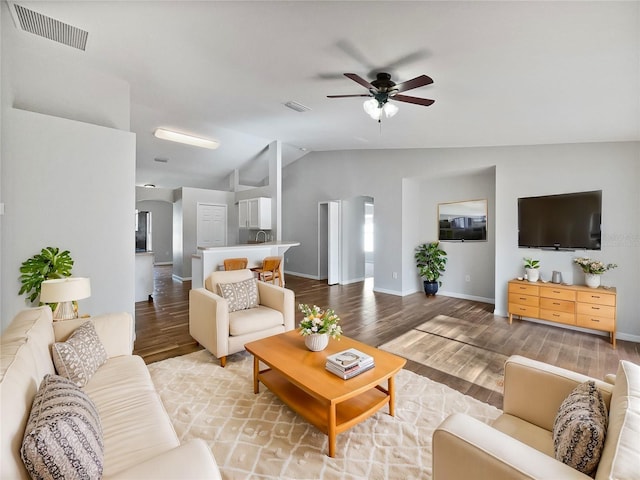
25, 359
231, 276
621, 455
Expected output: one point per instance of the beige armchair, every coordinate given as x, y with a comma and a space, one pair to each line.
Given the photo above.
224, 333
519, 444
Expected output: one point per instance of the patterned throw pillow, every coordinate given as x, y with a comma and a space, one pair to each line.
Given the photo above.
240, 295
580, 427
63, 437
80, 356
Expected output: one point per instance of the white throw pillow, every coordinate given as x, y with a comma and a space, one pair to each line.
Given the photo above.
240, 295
80, 356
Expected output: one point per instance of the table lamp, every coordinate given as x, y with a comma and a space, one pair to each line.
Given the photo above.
64, 291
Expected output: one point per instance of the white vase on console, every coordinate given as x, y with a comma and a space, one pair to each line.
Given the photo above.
592, 280
533, 274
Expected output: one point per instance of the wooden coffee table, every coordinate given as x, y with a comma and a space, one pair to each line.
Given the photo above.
299, 378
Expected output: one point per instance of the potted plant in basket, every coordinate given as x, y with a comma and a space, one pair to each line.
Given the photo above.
431, 261
318, 325
531, 266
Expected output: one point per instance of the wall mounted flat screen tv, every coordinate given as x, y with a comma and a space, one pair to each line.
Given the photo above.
569, 221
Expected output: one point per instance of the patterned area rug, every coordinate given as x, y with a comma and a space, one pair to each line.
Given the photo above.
447, 344
257, 436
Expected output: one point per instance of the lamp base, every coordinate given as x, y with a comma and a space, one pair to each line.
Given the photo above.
64, 311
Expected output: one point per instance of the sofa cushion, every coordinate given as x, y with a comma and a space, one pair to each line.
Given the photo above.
80, 356
580, 427
240, 295
254, 320
135, 424
63, 437
620, 458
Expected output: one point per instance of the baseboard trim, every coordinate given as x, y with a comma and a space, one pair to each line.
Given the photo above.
163, 263
391, 292
303, 275
464, 296
619, 335
180, 279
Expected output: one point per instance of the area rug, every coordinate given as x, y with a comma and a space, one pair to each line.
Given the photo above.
257, 436
447, 344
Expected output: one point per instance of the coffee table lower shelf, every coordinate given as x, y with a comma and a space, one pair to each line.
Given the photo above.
319, 413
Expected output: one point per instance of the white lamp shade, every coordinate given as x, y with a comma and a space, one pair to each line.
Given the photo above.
65, 290
372, 108
390, 109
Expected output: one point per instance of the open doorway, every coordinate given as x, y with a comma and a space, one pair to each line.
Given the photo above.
368, 239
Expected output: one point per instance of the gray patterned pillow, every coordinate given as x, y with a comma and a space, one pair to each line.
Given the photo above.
63, 437
240, 295
580, 427
80, 356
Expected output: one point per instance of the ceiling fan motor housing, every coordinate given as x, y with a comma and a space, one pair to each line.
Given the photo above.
383, 88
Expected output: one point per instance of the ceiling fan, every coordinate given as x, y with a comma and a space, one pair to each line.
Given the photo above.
383, 89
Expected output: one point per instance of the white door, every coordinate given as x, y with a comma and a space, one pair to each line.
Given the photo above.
333, 241
211, 230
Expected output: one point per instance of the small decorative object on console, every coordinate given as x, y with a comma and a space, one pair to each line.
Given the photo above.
531, 266
592, 270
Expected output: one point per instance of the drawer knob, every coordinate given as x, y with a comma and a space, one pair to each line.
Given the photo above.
555, 315
595, 320
556, 303
595, 308
523, 298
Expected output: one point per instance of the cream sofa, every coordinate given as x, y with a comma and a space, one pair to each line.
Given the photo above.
139, 440
223, 333
519, 444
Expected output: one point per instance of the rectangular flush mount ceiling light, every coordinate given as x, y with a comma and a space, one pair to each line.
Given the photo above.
188, 139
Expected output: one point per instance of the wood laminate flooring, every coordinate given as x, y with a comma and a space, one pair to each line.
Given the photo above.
162, 328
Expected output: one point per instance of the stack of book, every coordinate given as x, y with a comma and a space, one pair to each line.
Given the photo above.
349, 363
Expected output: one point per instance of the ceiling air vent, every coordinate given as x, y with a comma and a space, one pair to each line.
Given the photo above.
298, 107
47, 27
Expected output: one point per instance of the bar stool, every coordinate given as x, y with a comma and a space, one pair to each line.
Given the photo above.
235, 263
270, 270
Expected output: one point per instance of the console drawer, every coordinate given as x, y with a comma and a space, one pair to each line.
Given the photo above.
598, 323
521, 299
526, 288
559, 293
597, 297
560, 317
523, 310
597, 310
557, 305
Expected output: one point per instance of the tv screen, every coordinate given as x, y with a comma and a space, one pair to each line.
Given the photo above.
563, 222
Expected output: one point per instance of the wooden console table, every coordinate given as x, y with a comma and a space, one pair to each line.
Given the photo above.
576, 305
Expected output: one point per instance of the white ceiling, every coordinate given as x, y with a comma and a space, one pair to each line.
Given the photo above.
505, 73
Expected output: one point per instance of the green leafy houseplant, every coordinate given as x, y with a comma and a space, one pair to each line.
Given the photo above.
431, 261
531, 263
49, 263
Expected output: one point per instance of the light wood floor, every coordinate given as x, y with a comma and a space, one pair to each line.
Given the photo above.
162, 328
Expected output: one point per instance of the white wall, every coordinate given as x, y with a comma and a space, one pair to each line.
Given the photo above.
185, 225
519, 171
474, 259
58, 180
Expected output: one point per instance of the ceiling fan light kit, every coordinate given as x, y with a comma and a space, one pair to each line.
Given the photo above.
187, 139
383, 89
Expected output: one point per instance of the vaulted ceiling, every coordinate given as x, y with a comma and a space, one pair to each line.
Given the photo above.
505, 73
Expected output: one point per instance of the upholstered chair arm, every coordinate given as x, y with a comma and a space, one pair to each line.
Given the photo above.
464, 447
533, 391
209, 321
281, 299
115, 330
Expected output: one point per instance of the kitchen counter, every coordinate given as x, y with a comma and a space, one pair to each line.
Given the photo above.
209, 259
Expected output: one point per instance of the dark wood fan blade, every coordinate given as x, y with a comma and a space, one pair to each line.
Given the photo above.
360, 80
418, 101
420, 81
345, 96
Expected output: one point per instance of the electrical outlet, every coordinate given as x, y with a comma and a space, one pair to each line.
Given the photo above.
467, 278
394, 275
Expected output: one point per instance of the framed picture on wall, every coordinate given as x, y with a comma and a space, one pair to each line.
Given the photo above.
464, 221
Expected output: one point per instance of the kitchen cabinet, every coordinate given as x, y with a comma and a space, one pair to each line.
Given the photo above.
255, 213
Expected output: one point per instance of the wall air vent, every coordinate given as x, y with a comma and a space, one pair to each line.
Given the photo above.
298, 107
47, 27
